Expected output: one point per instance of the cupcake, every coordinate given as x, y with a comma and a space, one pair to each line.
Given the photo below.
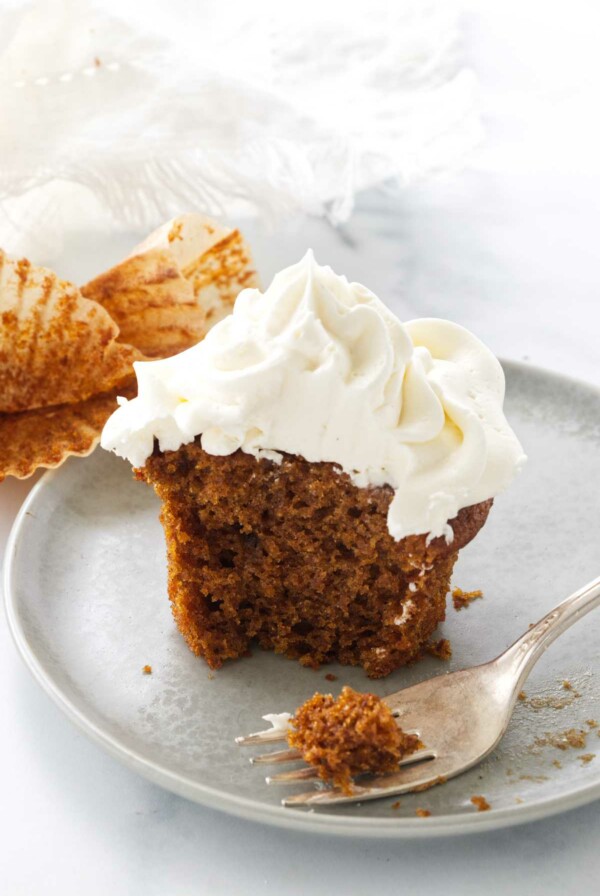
320, 465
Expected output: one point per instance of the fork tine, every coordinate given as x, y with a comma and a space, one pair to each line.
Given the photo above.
277, 756
270, 736
298, 774
306, 773
417, 777
294, 755
417, 756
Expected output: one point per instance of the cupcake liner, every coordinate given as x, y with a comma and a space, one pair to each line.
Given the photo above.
46, 437
65, 353
55, 346
175, 285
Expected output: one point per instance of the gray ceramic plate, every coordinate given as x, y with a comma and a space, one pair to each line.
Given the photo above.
87, 605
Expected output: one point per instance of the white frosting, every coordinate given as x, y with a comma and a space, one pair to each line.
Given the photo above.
279, 721
319, 367
408, 606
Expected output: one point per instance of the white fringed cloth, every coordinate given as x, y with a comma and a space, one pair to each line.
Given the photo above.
229, 108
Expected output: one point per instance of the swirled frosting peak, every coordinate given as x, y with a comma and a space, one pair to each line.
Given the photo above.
319, 367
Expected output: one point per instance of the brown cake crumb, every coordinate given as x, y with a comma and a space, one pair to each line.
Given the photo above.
537, 779
557, 763
462, 599
522, 696
297, 558
568, 686
331, 677
562, 740
147, 670
550, 702
481, 803
422, 813
441, 649
586, 758
591, 723
352, 735
396, 805
441, 779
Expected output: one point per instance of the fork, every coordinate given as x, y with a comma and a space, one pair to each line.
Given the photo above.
459, 717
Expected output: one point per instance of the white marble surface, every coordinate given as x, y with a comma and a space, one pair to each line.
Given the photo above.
508, 249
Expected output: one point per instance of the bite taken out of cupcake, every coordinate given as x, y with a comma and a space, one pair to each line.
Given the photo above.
320, 465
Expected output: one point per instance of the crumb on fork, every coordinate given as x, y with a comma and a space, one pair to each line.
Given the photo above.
352, 735
549, 701
422, 813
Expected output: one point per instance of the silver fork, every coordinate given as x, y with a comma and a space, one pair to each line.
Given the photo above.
460, 717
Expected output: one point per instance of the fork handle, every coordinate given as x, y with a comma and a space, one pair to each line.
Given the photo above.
526, 651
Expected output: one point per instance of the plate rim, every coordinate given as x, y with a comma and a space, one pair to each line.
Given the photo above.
245, 807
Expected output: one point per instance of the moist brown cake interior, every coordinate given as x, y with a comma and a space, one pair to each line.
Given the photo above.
297, 558
352, 735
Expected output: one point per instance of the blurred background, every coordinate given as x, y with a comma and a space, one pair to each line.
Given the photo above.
447, 155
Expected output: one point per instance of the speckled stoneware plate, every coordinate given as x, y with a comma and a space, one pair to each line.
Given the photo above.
87, 605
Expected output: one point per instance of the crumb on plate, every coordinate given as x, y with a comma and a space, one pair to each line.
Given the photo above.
480, 803
586, 758
462, 599
441, 649
562, 740
551, 702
